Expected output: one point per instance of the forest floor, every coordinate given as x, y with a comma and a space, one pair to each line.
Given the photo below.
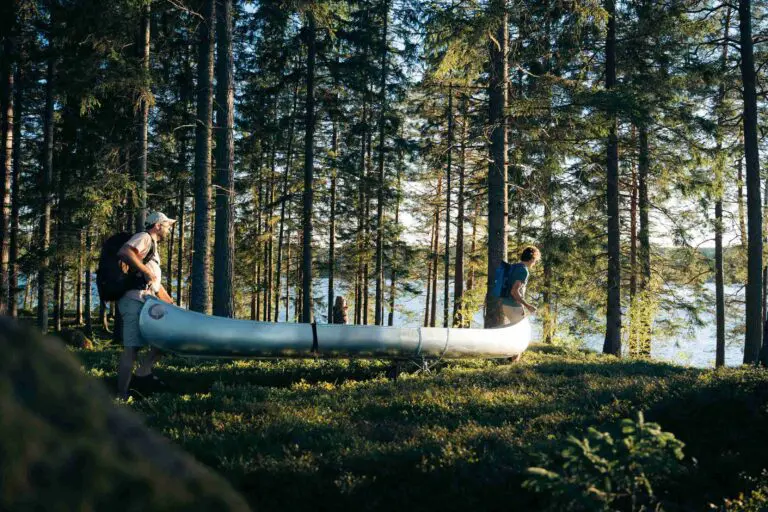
340, 434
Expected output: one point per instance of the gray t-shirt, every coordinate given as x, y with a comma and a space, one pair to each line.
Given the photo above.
519, 273
142, 242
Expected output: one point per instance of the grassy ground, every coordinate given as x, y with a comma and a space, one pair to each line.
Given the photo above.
320, 435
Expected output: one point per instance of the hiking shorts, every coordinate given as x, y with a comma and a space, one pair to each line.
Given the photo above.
129, 312
513, 314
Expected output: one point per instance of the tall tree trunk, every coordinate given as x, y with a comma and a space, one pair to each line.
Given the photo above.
224, 245
170, 251
473, 248
283, 201
644, 234
436, 253
395, 244
379, 314
612, 343
13, 278
143, 125
268, 228
182, 225
79, 282
458, 277
754, 322
88, 283
201, 256
46, 192
429, 275
719, 193
6, 156
447, 249
497, 169
633, 232
287, 272
332, 226
309, 164
740, 196
548, 319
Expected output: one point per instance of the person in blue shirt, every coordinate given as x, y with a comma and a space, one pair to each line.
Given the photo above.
515, 306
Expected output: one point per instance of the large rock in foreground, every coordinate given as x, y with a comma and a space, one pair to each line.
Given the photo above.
64, 445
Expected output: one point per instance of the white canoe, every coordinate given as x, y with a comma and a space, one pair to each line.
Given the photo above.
189, 333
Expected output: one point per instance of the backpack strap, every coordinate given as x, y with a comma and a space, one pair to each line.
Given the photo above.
152, 250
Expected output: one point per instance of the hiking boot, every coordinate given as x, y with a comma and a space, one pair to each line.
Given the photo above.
149, 383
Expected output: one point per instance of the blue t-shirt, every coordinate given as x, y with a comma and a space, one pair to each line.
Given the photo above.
519, 273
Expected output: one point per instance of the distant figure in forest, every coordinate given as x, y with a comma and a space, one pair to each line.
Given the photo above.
141, 255
515, 305
340, 310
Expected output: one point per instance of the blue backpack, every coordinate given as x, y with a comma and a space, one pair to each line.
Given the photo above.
502, 279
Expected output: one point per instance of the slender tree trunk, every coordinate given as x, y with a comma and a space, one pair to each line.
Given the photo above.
79, 282
458, 277
182, 225
394, 261
224, 245
201, 257
754, 322
379, 314
612, 343
447, 253
283, 201
309, 164
719, 193
287, 273
633, 233
548, 318
13, 278
436, 253
268, 259
332, 226
6, 157
497, 170
429, 276
141, 177
740, 197
88, 283
46, 192
472, 249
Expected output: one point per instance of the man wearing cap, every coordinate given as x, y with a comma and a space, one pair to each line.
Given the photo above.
140, 248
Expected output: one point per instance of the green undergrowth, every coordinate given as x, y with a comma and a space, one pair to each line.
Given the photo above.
326, 434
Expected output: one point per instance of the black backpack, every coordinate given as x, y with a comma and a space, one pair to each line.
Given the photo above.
114, 277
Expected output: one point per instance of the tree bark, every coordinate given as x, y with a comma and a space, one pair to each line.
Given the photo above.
224, 244
754, 321
379, 314
447, 248
332, 226
309, 164
429, 275
88, 283
458, 272
497, 169
79, 281
201, 257
435, 254
6, 156
46, 192
719, 193
13, 277
283, 201
612, 344
145, 92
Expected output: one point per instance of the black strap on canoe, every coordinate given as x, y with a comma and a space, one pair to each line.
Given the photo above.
314, 337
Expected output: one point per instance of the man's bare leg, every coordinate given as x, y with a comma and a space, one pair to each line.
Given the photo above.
145, 368
124, 370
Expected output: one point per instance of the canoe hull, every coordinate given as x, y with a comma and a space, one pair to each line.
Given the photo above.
189, 333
